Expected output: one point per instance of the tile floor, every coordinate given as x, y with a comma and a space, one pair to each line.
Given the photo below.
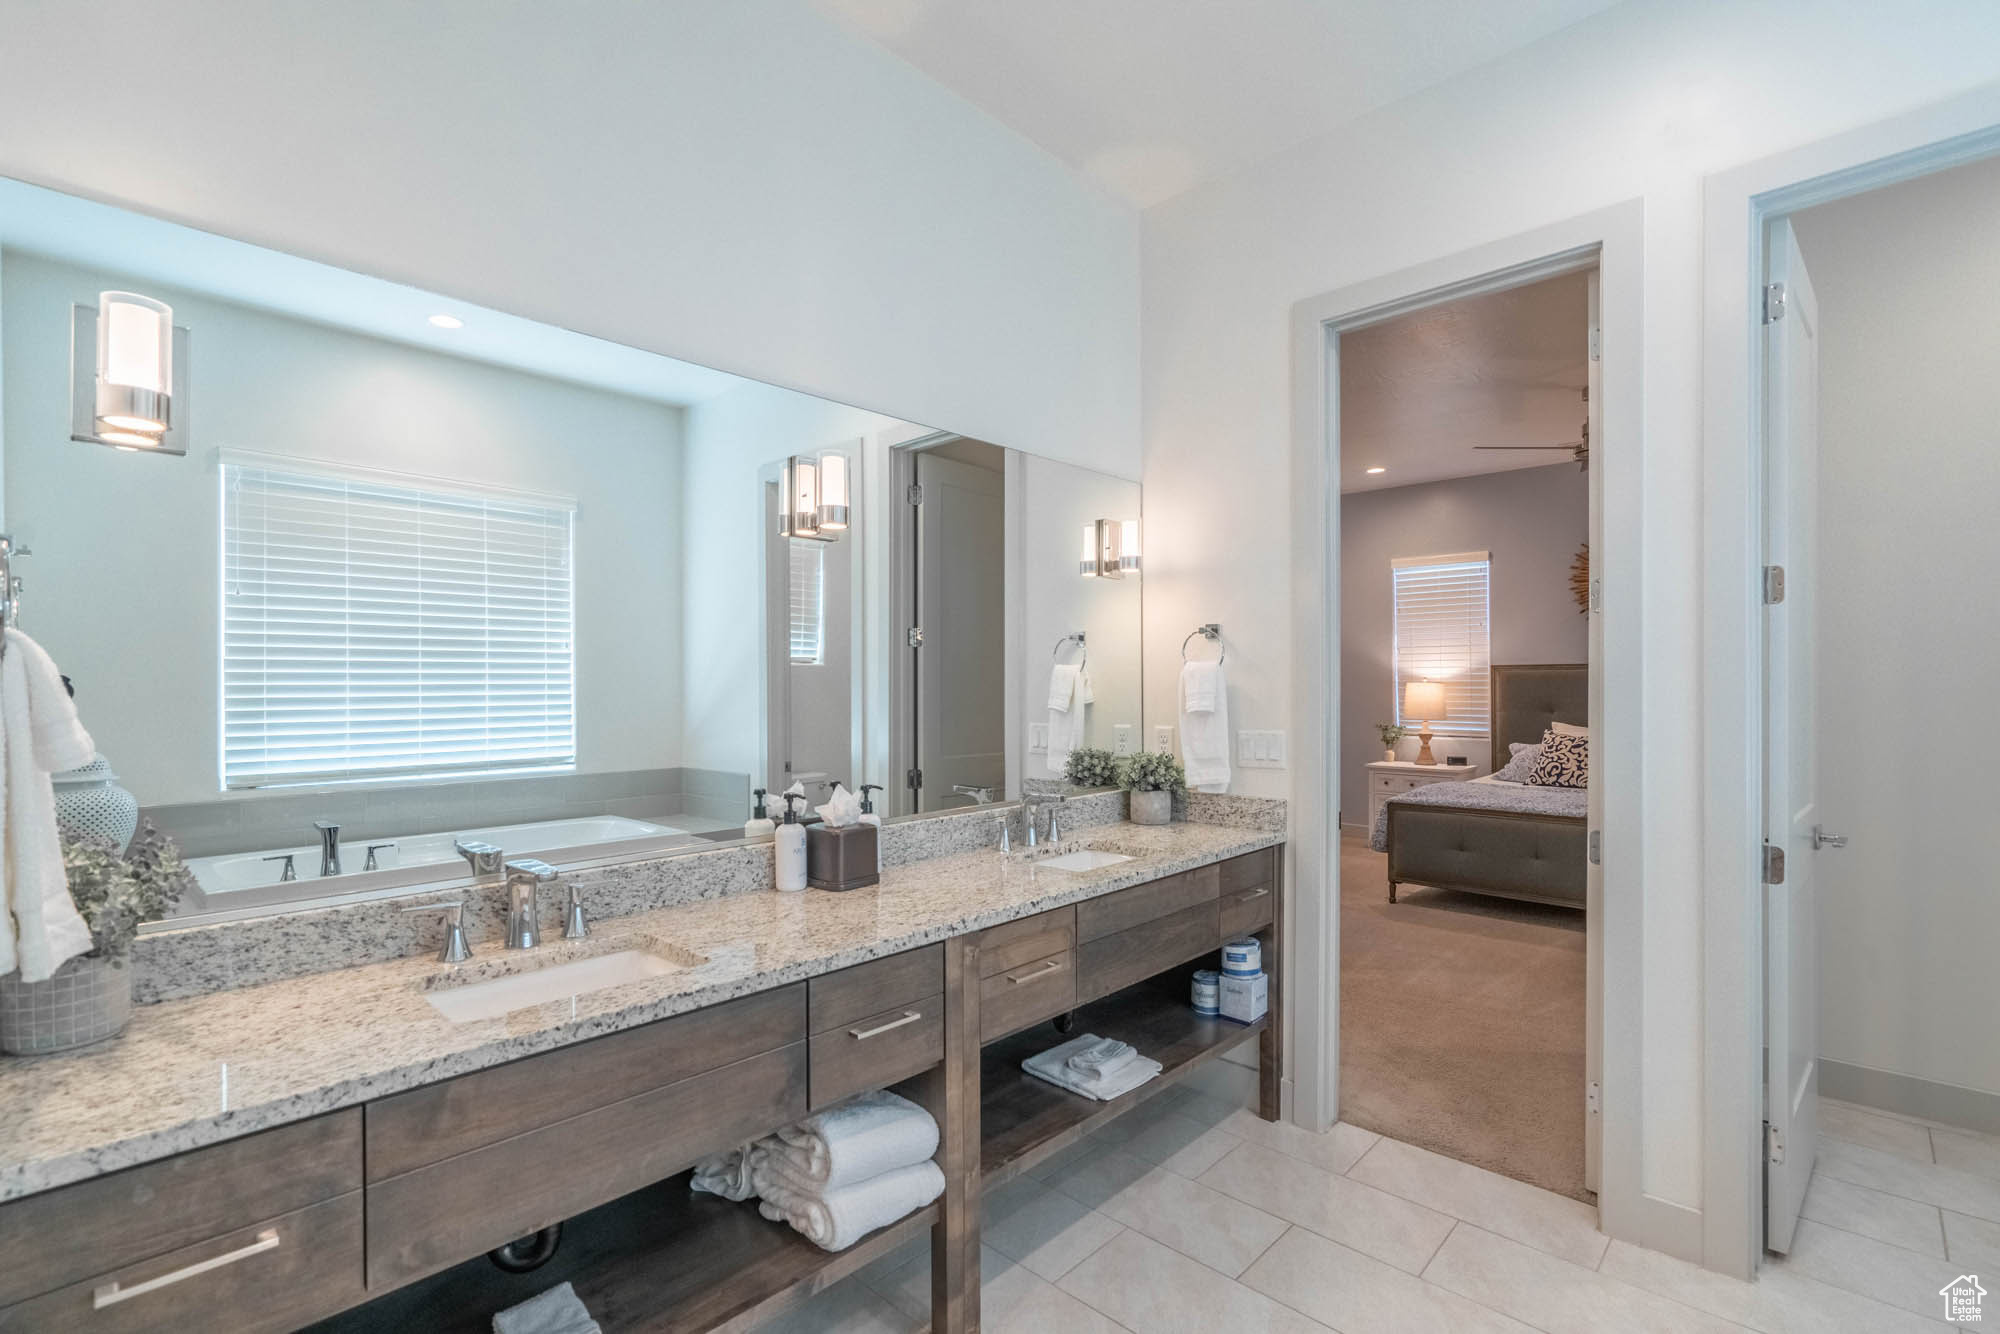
1190, 1214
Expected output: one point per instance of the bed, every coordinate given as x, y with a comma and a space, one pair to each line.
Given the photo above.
1508, 840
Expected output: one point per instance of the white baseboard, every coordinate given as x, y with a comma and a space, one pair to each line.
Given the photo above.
1928, 1100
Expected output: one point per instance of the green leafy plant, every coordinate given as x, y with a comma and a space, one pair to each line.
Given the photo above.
1088, 766
1152, 771
115, 892
1391, 732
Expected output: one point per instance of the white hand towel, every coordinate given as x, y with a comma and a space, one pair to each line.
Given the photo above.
1062, 686
557, 1311
835, 1219
1103, 1060
1205, 730
1053, 1066
1069, 726
41, 735
726, 1174
855, 1140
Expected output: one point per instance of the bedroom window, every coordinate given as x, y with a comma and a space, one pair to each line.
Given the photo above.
372, 629
808, 602
1443, 633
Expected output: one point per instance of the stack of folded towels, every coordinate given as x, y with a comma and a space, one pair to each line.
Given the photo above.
1100, 1068
838, 1175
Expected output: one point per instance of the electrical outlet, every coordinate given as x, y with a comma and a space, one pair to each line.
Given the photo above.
1121, 739
1163, 740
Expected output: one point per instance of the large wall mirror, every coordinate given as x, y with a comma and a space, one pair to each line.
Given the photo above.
344, 574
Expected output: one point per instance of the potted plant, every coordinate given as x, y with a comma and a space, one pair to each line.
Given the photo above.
1153, 778
1391, 733
90, 997
1089, 766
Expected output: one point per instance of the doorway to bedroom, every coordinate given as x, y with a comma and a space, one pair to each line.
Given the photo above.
1466, 431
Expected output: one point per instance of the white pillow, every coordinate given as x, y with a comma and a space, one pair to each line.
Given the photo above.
1521, 762
1569, 729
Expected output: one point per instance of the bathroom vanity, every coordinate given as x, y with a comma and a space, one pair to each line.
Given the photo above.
372, 1150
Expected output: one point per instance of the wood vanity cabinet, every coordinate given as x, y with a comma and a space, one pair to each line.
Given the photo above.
876, 1023
1027, 972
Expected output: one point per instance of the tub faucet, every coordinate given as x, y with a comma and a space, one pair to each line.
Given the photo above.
525, 876
329, 847
483, 858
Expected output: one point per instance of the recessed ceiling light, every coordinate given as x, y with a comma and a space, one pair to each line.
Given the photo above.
447, 321
1373, 471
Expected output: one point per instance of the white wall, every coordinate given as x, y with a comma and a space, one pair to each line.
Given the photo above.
1641, 101
743, 185
1532, 521
1908, 470
124, 590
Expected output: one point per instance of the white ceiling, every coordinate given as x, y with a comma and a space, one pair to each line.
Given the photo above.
1504, 368
99, 236
1151, 97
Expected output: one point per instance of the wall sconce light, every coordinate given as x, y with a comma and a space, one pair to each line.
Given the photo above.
128, 375
1110, 549
813, 497
833, 493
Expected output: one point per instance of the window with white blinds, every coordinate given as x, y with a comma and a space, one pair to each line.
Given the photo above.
808, 602
1443, 634
372, 629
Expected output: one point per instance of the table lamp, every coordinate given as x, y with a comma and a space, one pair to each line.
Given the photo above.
1425, 700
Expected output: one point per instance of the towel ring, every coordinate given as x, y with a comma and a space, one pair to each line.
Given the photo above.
1056, 652
1212, 632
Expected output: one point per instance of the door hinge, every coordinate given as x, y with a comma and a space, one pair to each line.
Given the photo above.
1597, 847
1774, 1143
914, 636
1593, 1098
1774, 864
1596, 344
1774, 303
914, 779
1774, 585
915, 495
1597, 595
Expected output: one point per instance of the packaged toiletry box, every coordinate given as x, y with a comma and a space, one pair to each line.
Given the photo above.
842, 858
1245, 999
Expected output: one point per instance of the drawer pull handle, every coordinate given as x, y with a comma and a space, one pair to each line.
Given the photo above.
1250, 894
909, 1017
110, 1294
1048, 966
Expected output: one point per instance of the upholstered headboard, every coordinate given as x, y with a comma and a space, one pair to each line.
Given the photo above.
1527, 699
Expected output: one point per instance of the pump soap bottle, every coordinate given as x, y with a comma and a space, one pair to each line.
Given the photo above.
791, 849
869, 815
761, 822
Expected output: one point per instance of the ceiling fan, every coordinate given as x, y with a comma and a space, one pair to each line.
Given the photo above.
1579, 449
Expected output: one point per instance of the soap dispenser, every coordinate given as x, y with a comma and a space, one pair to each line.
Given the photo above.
791, 849
869, 815
760, 823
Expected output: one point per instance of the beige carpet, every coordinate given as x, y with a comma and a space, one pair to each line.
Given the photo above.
1461, 1024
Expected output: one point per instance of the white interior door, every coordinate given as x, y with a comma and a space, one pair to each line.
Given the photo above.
961, 599
1593, 893
1791, 943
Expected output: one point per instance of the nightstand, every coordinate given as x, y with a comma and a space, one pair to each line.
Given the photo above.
1386, 778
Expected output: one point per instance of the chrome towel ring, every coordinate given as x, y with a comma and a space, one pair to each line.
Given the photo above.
1056, 652
1212, 632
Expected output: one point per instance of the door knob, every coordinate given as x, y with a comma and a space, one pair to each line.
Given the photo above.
1822, 839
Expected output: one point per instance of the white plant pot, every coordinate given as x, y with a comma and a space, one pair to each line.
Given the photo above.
1389, 754
1152, 807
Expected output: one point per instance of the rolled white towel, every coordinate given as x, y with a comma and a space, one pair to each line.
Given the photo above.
557, 1311
834, 1219
726, 1175
1103, 1059
855, 1140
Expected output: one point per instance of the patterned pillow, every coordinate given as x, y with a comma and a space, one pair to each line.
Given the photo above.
1522, 763
1564, 762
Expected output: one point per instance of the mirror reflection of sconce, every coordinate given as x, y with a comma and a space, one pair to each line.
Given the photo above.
128, 375
1110, 549
813, 497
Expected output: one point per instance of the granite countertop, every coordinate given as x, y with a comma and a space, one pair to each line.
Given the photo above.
208, 1068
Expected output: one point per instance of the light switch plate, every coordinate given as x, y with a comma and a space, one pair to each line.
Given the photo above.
1121, 739
1260, 749
1038, 736
1163, 740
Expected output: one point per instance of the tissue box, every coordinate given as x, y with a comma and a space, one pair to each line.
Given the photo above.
1245, 999
844, 858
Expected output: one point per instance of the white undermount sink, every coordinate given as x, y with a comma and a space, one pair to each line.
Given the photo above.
501, 995
1089, 859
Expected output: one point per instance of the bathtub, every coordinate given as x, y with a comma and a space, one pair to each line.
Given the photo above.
251, 879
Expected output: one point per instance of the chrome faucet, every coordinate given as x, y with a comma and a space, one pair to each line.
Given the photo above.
574, 925
1031, 810
289, 872
329, 847
484, 858
454, 949
981, 796
525, 876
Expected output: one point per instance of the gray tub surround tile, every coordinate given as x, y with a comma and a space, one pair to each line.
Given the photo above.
194, 1071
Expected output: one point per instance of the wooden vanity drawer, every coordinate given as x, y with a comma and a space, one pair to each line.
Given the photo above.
111, 1222
1246, 910
875, 1050
449, 1211
840, 1000
1144, 903
1112, 962
427, 1125
276, 1275
1027, 994
1004, 948
1248, 871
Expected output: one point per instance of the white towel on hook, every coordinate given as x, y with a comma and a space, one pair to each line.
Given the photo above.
1205, 729
41, 735
1069, 726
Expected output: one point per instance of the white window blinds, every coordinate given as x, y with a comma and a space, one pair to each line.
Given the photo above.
808, 602
1443, 634
371, 629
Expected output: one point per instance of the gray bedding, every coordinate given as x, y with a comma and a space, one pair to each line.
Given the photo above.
1519, 798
